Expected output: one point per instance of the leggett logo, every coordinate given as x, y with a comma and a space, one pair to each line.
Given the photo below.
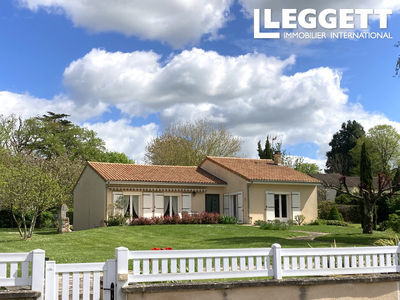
329, 19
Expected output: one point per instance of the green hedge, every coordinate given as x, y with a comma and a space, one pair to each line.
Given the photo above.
350, 213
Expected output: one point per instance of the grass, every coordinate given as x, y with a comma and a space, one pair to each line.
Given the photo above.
98, 244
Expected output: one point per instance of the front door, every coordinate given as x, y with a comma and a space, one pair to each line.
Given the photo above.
281, 207
212, 203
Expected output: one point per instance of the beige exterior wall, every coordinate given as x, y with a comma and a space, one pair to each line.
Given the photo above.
89, 200
343, 291
235, 184
308, 199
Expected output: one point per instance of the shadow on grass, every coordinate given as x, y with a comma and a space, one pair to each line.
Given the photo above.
349, 239
261, 241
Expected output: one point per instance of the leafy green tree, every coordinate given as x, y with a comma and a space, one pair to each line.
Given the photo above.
383, 143
339, 159
298, 164
187, 144
308, 168
27, 188
116, 157
55, 135
368, 194
16, 134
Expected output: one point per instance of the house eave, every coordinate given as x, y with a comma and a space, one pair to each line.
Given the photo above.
143, 183
283, 182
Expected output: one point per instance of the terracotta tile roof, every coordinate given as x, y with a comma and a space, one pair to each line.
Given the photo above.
261, 170
150, 173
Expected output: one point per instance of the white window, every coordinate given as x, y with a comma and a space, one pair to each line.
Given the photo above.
281, 205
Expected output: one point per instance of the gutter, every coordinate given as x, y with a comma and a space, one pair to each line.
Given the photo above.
284, 182
111, 182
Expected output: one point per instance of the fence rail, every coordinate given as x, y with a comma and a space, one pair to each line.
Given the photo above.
78, 281
97, 280
337, 261
23, 269
199, 264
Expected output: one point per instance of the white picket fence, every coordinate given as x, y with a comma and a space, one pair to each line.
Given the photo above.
23, 269
79, 280
94, 280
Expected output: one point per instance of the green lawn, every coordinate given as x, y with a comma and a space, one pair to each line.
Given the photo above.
99, 244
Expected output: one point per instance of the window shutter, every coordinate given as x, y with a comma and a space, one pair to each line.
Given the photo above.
158, 205
296, 207
187, 203
147, 205
226, 204
240, 207
269, 206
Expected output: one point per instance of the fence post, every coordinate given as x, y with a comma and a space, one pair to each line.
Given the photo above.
38, 258
109, 278
51, 283
396, 258
277, 261
122, 257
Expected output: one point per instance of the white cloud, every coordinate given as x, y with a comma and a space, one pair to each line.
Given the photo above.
177, 22
250, 94
27, 106
122, 137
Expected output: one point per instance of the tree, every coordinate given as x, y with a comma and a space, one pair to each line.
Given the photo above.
116, 157
15, 134
308, 168
187, 144
298, 164
55, 135
369, 195
383, 143
339, 159
269, 149
27, 188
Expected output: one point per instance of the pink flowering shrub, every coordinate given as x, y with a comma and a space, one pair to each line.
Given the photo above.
202, 218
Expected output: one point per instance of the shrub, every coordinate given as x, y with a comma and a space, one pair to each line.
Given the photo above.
299, 219
350, 213
46, 220
274, 225
336, 223
317, 222
345, 199
117, 220
394, 222
384, 226
259, 222
334, 214
324, 208
392, 241
70, 215
203, 218
228, 220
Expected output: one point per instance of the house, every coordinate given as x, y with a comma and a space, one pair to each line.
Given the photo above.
249, 189
326, 192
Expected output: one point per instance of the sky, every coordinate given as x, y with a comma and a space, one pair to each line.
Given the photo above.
129, 68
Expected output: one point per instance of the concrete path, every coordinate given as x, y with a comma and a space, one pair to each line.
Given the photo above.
310, 235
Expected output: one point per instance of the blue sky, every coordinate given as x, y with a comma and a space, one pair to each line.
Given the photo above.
128, 77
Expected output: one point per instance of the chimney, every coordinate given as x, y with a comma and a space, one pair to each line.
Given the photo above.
278, 158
